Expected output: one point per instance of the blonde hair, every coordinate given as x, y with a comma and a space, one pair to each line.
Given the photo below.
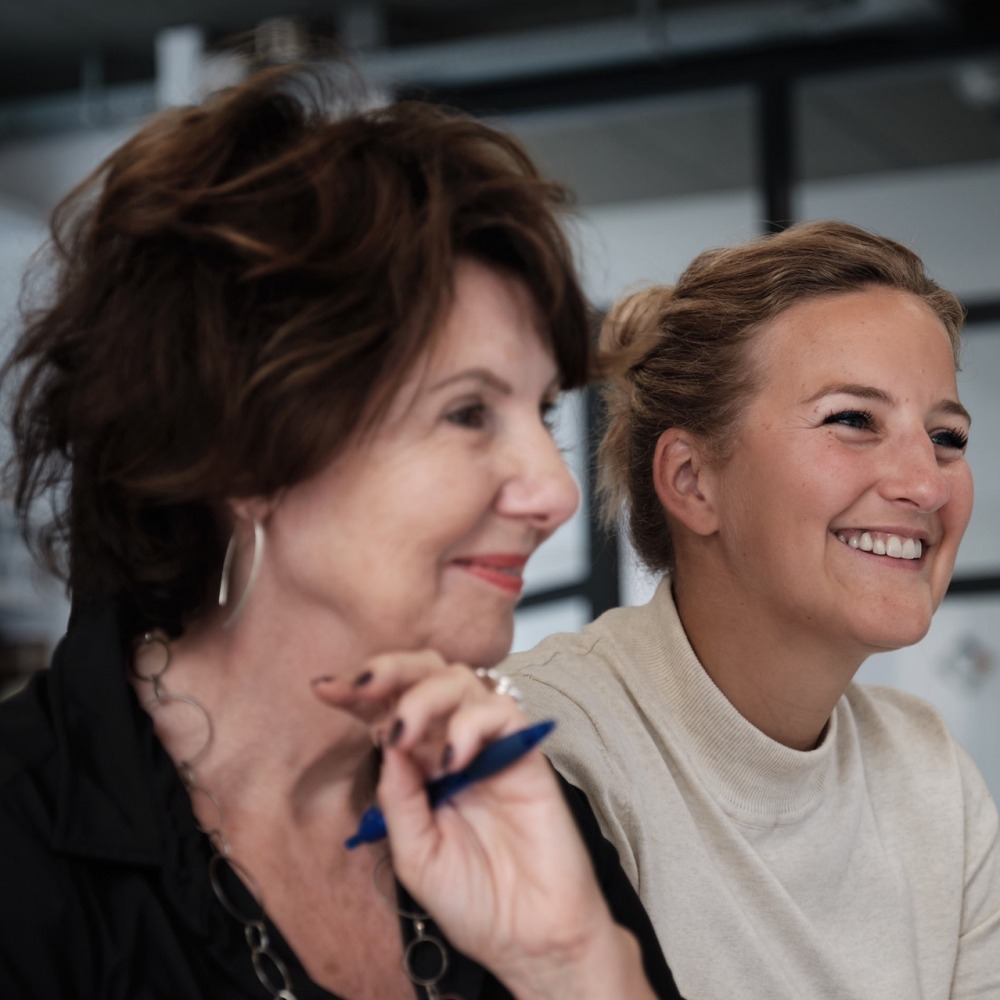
683, 356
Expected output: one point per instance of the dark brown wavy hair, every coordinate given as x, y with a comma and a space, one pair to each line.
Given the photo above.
683, 356
228, 294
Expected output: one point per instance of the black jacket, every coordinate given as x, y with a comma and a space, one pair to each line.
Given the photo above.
104, 888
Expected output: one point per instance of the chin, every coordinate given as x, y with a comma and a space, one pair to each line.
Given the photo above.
899, 638
464, 632
484, 651
895, 625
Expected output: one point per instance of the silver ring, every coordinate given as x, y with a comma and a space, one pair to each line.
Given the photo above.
499, 683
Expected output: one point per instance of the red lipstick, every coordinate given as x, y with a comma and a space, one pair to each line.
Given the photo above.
502, 570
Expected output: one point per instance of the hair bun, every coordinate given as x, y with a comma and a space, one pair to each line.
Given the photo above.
632, 328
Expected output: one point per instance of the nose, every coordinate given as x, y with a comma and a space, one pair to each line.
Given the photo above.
540, 487
917, 477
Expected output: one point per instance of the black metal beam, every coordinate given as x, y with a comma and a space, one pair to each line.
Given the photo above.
604, 584
711, 69
963, 585
983, 311
776, 152
579, 588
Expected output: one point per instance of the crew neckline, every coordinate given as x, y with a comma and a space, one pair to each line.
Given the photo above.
754, 777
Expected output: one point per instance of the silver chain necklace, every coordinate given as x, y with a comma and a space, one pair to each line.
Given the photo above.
271, 971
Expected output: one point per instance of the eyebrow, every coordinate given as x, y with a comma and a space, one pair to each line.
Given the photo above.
485, 377
950, 406
482, 375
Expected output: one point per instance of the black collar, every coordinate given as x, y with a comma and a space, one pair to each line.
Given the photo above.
118, 795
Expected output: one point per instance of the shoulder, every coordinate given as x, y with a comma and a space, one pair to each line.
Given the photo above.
567, 675
911, 756
29, 788
559, 650
591, 683
37, 888
601, 653
889, 720
26, 735
594, 680
581, 680
902, 734
921, 776
622, 899
39, 916
29, 772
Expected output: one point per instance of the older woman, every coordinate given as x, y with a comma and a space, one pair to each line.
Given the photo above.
290, 399
787, 443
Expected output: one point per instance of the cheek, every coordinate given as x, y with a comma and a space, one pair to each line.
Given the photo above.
835, 479
960, 501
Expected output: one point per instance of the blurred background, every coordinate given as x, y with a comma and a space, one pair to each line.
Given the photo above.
679, 124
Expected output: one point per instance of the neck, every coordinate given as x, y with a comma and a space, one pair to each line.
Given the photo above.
785, 684
240, 710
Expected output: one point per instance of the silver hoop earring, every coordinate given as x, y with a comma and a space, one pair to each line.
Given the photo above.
227, 565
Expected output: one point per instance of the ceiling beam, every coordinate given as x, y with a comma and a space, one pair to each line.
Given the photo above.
652, 52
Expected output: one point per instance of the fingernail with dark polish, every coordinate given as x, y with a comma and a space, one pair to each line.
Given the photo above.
447, 755
362, 679
394, 733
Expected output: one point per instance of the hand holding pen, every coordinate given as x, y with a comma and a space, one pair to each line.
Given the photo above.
489, 761
409, 700
501, 868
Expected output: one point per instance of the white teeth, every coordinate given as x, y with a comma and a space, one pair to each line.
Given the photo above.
893, 546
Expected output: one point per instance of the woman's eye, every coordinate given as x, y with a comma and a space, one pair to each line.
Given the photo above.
952, 438
859, 419
472, 415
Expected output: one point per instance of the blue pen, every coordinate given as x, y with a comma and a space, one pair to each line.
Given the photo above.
487, 762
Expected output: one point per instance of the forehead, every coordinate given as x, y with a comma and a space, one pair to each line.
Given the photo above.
490, 322
490, 311
883, 331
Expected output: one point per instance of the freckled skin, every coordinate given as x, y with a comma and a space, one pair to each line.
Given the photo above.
798, 476
857, 426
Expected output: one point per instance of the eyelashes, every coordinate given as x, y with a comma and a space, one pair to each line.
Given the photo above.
859, 419
475, 415
953, 438
471, 415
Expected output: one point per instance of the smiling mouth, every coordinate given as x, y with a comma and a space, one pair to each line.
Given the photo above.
882, 544
505, 572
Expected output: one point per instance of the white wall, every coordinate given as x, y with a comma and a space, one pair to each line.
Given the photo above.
950, 216
32, 605
34, 175
627, 245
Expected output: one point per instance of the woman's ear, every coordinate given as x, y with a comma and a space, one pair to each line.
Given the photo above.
683, 480
251, 510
